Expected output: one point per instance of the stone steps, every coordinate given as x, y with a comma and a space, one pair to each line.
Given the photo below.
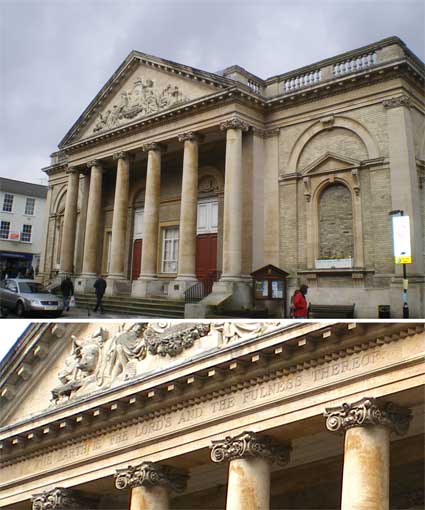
148, 307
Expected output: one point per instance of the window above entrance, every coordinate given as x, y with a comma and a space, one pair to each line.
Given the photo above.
207, 217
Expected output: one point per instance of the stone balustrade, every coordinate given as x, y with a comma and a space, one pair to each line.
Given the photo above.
352, 65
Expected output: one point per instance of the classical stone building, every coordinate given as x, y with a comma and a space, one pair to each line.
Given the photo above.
174, 175
242, 416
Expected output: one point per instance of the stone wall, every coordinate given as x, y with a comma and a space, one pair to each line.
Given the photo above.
336, 223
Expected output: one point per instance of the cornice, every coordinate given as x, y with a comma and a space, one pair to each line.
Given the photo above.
326, 344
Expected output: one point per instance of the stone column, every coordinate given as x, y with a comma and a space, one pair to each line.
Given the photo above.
142, 287
188, 216
233, 191
150, 484
367, 423
94, 213
60, 498
250, 456
119, 220
81, 224
69, 222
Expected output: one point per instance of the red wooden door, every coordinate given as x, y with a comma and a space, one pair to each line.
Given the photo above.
137, 258
206, 255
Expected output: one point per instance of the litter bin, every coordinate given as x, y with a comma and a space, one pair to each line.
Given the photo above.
384, 311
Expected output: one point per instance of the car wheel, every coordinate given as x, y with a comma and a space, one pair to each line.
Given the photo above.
20, 309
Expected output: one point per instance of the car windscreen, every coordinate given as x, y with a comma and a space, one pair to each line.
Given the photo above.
31, 288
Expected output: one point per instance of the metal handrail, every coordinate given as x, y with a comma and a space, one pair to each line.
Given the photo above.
201, 289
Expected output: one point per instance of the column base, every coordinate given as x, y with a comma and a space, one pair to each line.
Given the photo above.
117, 285
83, 284
239, 289
177, 287
147, 286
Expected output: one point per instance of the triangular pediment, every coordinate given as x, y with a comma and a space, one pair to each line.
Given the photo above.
141, 87
328, 162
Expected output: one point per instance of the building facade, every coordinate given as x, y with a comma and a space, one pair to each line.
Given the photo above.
242, 416
174, 175
21, 219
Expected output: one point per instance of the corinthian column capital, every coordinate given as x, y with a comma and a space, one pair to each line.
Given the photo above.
249, 444
190, 136
153, 146
234, 123
367, 412
94, 162
395, 102
151, 474
61, 499
121, 155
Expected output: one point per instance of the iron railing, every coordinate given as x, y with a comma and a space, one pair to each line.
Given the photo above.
201, 289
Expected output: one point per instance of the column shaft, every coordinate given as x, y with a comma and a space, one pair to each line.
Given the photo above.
94, 211
151, 215
249, 484
188, 211
119, 220
149, 498
69, 224
365, 483
232, 224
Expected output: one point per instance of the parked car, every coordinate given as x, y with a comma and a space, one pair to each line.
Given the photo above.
23, 296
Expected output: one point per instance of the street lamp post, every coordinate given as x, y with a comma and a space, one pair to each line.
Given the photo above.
402, 255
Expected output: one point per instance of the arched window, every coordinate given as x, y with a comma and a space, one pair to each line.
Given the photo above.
336, 240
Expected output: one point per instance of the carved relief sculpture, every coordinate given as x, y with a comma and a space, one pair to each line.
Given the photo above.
141, 100
102, 360
234, 331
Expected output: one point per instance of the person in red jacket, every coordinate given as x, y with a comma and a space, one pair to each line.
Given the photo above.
299, 303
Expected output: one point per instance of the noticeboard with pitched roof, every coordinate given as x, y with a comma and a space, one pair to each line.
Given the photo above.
269, 283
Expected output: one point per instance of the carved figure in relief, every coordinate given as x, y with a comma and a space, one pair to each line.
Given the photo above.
142, 99
233, 331
125, 346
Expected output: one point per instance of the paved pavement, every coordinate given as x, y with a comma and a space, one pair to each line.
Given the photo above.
82, 313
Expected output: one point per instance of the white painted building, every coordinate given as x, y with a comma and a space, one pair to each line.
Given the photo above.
21, 223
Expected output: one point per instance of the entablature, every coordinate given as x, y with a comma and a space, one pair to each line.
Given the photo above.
282, 352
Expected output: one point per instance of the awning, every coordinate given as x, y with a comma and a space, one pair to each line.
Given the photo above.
15, 255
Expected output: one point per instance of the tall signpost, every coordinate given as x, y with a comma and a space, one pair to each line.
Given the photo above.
402, 250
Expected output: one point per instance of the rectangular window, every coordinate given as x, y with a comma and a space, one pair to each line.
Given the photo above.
30, 206
170, 249
26, 233
7, 202
4, 229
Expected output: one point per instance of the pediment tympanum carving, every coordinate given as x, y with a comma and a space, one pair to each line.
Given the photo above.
102, 360
328, 162
146, 91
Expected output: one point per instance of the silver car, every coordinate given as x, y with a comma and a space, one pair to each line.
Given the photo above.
23, 296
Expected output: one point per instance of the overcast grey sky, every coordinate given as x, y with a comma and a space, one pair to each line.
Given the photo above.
57, 54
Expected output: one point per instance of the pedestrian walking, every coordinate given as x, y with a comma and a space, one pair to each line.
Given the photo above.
299, 307
67, 289
100, 287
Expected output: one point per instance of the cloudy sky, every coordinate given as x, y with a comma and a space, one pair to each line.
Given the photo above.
57, 54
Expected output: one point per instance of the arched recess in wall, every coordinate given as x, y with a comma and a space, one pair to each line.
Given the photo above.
335, 222
329, 124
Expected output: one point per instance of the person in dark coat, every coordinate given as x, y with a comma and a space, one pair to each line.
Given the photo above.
67, 289
100, 287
